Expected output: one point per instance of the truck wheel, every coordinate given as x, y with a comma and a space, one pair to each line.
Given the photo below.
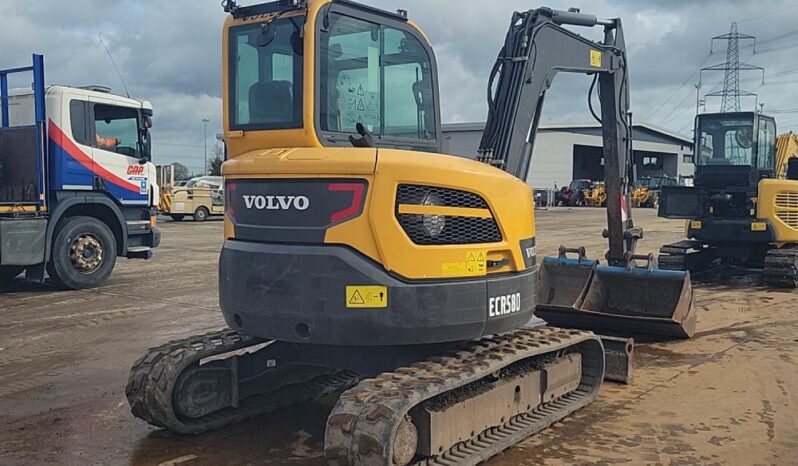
83, 255
8, 273
201, 214
177, 217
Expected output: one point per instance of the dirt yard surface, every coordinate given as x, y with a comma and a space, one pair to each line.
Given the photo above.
728, 396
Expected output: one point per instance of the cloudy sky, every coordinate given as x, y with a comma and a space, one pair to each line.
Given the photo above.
169, 53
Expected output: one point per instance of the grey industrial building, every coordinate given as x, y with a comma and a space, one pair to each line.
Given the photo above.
568, 151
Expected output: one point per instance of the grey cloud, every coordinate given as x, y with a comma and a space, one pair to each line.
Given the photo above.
169, 53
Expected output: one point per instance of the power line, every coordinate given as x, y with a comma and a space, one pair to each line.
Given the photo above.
783, 35
771, 13
777, 48
677, 89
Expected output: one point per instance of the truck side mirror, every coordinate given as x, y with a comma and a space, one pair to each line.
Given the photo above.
145, 143
792, 169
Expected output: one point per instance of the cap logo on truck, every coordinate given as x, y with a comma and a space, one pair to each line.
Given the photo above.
276, 202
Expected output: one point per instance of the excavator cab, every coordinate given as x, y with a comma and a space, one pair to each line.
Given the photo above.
327, 74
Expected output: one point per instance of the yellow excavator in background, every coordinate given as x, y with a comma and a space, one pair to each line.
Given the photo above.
743, 207
359, 258
786, 150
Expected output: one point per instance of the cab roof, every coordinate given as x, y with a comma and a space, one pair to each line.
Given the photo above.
84, 92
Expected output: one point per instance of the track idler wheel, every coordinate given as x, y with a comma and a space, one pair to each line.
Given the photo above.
405, 443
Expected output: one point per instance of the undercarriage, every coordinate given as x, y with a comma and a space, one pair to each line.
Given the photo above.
779, 264
440, 404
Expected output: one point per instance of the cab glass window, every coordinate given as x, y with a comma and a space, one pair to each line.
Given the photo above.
116, 129
726, 141
266, 75
766, 144
77, 120
375, 75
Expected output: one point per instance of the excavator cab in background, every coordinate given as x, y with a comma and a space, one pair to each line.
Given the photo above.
743, 207
359, 258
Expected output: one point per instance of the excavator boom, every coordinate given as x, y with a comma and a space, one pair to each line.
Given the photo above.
618, 297
536, 49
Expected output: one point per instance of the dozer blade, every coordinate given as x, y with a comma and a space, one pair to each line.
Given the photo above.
621, 301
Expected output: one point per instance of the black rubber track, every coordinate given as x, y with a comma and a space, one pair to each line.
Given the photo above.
362, 425
153, 378
781, 268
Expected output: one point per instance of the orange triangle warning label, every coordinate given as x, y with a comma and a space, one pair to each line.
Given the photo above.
471, 256
356, 298
481, 257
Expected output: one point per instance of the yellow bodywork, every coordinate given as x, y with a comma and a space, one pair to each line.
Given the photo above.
596, 197
777, 199
186, 201
640, 196
778, 203
786, 148
376, 233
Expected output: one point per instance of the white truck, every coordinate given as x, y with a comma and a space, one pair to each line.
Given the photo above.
77, 187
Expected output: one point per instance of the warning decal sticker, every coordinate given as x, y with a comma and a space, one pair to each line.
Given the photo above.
475, 264
361, 296
595, 58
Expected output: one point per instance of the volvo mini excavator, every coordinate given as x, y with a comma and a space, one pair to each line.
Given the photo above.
358, 258
743, 209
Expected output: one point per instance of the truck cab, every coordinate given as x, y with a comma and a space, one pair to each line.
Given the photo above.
77, 187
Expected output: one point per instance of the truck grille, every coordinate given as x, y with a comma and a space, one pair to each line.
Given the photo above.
431, 229
787, 208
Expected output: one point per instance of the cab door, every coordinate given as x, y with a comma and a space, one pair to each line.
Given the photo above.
116, 151
72, 166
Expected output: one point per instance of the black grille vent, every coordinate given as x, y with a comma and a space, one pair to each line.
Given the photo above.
445, 229
414, 194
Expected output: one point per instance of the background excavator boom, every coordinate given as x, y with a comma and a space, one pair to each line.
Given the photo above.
536, 49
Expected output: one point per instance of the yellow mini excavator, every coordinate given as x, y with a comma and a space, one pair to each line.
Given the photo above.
743, 209
358, 258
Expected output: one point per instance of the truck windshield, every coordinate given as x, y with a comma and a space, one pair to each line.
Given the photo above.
726, 141
266, 81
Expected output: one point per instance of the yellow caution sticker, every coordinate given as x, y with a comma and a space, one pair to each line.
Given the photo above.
361, 296
759, 226
595, 58
695, 224
475, 264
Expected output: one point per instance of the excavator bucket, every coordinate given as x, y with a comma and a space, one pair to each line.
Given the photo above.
563, 281
617, 300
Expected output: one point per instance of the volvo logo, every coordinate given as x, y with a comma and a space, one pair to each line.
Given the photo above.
277, 202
